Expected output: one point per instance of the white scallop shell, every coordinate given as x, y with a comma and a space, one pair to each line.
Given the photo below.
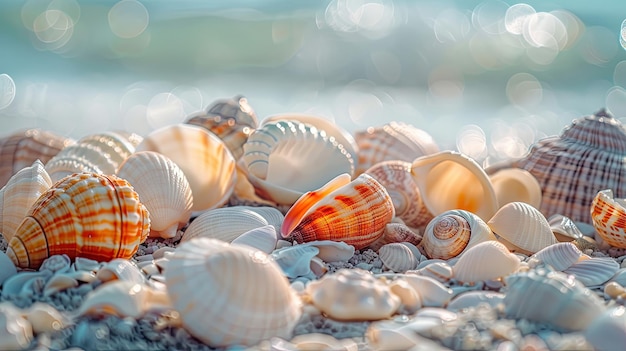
522, 228
608, 330
162, 187
397, 257
229, 294
203, 157
487, 260
16, 333
19, 194
594, 271
432, 292
226, 224
286, 159
516, 184
262, 238
271, 214
560, 256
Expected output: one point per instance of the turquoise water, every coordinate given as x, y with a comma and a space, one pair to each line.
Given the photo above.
485, 77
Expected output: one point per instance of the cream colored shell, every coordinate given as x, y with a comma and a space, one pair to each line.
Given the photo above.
560, 256
486, 260
515, 184
397, 257
225, 223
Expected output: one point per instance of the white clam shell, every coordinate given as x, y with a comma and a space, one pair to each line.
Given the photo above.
272, 215
397, 257
162, 187
16, 333
121, 269
332, 251
560, 256
204, 158
432, 292
286, 159
474, 298
486, 260
229, 294
594, 271
522, 228
516, 184
19, 194
113, 145
226, 224
441, 271
608, 330
410, 299
262, 238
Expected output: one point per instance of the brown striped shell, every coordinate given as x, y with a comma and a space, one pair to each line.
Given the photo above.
84, 215
588, 156
354, 212
608, 215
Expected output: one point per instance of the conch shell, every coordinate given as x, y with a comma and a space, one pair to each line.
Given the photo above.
449, 180
608, 216
354, 212
84, 215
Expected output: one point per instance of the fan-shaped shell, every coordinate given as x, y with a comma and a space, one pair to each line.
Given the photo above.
587, 157
21, 148
454, 232
515, 184
89, 215
285, 159
355, 212
397, 257
392, 141
608, 216
19, 194
230, 294
203, 157
449, 180
395, 176
484, 261
226, 224
522, 228
162, 187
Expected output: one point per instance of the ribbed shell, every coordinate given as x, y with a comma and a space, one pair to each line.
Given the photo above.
85, 215
560, 255
354, 212
608, 216
395, 176
486, 260
397, 233
203, 157
229, 294
225, 223
115, 145
588, 156
397, 257
522, 228
392, 141
20, 149
594, 271
162, 188
285, 159
19, 194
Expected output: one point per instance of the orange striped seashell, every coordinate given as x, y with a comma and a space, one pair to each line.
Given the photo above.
608, 215
354, 212
87, 215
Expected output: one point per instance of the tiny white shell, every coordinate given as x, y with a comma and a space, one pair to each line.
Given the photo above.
121, 269
486, 260
410, 299
123, 299
45, 319
397, 257
225, 223
563, 228
560, 256
432, 292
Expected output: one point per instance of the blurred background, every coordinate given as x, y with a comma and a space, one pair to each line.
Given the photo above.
487, 78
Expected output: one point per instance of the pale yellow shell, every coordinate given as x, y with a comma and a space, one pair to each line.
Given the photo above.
515, 184
486, 260
608, 216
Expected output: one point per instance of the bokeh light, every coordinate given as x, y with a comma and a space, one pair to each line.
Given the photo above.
128, 18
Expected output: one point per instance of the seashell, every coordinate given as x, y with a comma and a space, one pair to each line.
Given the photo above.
403, 333
397, 257
559, 256
484, 261
79, 158
432, 292
608, 329
474, 298
588, 156
244, 192
230, 294
56, 264
453, 232
522, 228
208, 165
45, 319
115, 146
392, 141
319, 341
7, 268
123, 298
563, 228
332, 251
552, 297
162, 187
262, 238
397, 233
395, 176
440, 271
232, 120
354, 212
226, 224
594, 271
20, 284
121, 269
353, 295
449, 180
16, 333
410, 299
318, 267
516, 185
21, 148
19, 194
614, 290
86, 264
271, 214
608, 216
619, 277
285, 159
59, 282
88, 215
295, 261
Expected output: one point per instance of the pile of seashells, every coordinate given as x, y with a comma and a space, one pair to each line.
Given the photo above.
293, 234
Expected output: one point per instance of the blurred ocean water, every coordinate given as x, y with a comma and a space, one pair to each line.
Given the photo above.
485, 77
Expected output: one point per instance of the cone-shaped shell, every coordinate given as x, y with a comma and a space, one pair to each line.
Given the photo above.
203, 157
454, 232
19, 194
522, 228
354, 212
226, 224
162, 187
230, 294
588, 156
449, 180
88, 215
515, 184
20, 149
608, 216
486, 260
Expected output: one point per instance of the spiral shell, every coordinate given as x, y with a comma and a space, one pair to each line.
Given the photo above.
89, 215
608, 216
354, 212
452, 233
